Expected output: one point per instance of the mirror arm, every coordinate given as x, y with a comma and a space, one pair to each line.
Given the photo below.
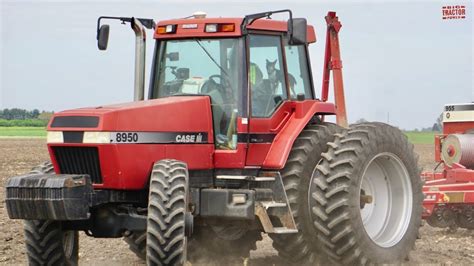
138, 25
146, 22
249, 19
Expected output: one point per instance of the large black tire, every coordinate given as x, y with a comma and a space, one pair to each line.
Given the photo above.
339, 198
137, 243
166, 241
46, 243
302, 247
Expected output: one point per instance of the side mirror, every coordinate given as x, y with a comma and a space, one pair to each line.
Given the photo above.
297, 27
182, 73
173, 56
103, 37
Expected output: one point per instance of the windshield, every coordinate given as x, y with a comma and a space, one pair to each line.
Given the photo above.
198, 66
211, 67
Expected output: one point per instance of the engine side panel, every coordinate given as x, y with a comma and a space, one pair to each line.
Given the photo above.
130, 138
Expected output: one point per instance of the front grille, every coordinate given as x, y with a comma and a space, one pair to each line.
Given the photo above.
79, 160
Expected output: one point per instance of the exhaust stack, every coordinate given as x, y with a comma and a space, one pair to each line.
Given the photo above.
138, 26
140, 47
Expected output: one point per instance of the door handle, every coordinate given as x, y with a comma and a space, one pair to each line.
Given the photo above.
282, 123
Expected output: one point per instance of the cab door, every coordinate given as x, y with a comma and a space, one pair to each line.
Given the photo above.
278, 73
229, 125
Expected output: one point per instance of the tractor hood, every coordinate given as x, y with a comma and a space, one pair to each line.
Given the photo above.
177, 114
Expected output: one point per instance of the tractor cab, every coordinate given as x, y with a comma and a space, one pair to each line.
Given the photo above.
247, 67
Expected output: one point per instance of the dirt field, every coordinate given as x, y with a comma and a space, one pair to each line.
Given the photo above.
436, 247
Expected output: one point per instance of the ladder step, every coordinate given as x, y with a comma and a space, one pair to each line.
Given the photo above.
246, 178
272, 204
264, 178
284, 230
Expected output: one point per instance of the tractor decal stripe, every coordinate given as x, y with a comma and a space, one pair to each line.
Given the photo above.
147, 137
126, 137
459, 107
158, 137
458, 116
455, 197
255, 138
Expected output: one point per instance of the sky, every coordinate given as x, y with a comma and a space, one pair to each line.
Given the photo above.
401, 61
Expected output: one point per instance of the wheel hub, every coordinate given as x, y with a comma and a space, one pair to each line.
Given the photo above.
365, 199
386, 200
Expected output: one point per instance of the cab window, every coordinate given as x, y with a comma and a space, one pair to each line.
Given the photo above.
298, 74
266, 74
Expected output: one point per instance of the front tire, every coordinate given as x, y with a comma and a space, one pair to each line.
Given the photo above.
137, 243
372, 196
46, 243
166, 240
204, 245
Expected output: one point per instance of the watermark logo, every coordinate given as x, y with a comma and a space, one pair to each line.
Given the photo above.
454, 12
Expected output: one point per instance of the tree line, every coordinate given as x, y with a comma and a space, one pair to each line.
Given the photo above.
23, 114
16, 117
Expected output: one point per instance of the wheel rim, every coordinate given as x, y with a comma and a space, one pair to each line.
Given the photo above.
386, 200
68, 243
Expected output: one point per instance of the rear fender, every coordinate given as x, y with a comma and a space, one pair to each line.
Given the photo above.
303, 112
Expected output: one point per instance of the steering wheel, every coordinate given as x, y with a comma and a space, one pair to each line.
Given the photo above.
211, 84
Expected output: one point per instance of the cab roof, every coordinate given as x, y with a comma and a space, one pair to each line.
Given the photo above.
195, 27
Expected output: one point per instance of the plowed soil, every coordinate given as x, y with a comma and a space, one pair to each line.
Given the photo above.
18, 156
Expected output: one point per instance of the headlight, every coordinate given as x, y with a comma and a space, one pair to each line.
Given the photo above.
54, 137
96, 137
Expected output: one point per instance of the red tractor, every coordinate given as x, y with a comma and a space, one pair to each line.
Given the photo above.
232, 142
449, 194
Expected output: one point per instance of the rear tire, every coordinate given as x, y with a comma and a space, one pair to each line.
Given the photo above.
369, 162
302, 248
45, 242
166, 240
